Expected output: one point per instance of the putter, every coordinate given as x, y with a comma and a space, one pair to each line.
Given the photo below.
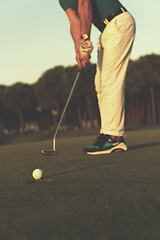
53, 151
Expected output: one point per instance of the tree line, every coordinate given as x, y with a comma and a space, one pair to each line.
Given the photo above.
38, 106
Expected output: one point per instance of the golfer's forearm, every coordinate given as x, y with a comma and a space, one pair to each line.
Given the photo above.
75, 33
75, 27
85, 15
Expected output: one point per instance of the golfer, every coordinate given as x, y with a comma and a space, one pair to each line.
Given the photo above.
117, 33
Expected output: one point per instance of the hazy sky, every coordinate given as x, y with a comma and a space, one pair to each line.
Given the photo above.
34, 36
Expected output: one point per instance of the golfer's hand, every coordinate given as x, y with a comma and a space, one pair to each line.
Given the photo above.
82, 60
86, 47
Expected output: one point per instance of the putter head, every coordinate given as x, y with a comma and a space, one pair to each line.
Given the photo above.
48, 152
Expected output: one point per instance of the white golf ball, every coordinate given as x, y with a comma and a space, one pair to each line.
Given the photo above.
37, 174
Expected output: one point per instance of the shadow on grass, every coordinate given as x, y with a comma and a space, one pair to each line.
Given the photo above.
130, 148
146, 145
50, 178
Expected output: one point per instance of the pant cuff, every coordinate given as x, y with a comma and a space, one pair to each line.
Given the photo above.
112, 132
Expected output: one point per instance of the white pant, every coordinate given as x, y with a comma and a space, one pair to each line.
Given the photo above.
114, 49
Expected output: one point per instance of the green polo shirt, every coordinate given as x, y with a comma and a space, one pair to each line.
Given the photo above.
65, 4
101, 8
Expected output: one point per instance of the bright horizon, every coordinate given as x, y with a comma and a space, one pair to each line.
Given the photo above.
35, 37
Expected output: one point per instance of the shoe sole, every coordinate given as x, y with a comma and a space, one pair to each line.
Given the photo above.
119, 148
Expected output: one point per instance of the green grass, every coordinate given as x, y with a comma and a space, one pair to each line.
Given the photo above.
80, 197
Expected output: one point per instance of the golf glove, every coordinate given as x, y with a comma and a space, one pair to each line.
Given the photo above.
86, 47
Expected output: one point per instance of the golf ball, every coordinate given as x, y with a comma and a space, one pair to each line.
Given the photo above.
37, 174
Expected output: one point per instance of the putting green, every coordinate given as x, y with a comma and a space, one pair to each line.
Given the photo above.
108, 197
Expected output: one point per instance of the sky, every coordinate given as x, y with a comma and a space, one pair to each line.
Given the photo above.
35, 36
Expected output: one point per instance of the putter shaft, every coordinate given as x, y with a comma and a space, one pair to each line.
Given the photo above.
64, 110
